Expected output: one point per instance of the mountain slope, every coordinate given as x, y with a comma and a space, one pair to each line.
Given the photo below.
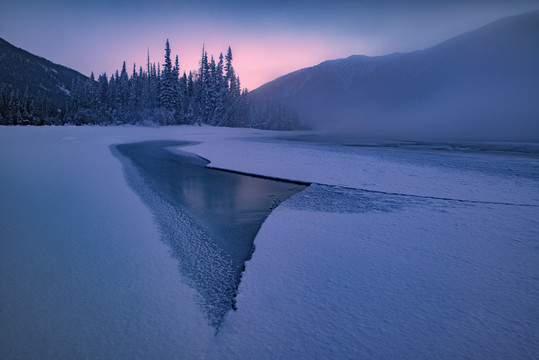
481, 85
20, 70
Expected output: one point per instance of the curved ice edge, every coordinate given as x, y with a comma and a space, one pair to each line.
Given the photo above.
216, 287
305, 183
297, 182
211, 279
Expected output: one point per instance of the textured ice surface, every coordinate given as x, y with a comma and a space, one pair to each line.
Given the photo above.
209, 218
467, 176
347, 274
83, 273
339, 271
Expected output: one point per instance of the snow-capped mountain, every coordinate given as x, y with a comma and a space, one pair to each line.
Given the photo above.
481, 85
21, 70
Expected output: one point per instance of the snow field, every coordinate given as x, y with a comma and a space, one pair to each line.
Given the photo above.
338, 272
406, 278
477, 177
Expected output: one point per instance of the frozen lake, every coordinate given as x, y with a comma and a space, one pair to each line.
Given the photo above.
203, 214
392, 253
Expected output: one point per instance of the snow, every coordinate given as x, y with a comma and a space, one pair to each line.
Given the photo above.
392, 253
396, 278
63, 89
477, 177
83, 273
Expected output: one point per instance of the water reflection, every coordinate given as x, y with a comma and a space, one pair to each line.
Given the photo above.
208, 217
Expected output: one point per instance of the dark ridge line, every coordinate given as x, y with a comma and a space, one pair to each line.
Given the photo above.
180, 152
305, 183
297, 182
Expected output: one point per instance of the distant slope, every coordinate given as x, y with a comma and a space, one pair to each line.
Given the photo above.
20, 69
481, 85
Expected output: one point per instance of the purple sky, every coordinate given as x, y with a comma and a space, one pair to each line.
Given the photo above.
268, 38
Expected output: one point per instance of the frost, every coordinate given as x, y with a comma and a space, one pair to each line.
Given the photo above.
377, 259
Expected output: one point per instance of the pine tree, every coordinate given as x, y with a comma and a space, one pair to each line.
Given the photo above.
233, 84
220, 94
200, 99
228, 65
182, 98
123, 88
176, 69
155, 95
190, 85
167, 81
103, 85
153, 87
133, 91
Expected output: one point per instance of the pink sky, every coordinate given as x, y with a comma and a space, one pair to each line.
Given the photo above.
268, 39
256, 62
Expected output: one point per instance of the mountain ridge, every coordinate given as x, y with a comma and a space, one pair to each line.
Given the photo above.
467, 87
23, 71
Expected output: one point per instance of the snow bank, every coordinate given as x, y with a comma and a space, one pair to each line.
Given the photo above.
341, 272
389, 278
338, 272
477, 177
83, 273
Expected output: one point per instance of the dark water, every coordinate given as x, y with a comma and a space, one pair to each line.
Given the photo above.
208, 217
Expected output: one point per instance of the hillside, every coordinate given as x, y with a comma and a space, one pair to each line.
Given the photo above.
481, 85
20, 70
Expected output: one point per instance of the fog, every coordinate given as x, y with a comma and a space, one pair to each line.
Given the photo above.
481, 85
465, 115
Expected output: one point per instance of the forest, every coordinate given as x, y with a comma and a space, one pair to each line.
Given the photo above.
157, 95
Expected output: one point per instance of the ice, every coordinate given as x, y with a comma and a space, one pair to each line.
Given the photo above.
83, 273
208, 218
392, 253
465, 176
394, 277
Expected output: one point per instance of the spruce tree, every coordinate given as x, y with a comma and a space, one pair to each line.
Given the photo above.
167, 81
233, 85
220, 94
228, 65
123, 88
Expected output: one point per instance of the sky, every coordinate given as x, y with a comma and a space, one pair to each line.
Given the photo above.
269, 38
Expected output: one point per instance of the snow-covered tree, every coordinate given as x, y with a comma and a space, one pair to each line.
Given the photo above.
168, 82
154, 95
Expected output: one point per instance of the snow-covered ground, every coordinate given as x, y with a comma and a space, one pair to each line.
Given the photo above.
390, 254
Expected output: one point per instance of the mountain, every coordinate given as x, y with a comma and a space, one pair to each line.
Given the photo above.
481, 85
21, 70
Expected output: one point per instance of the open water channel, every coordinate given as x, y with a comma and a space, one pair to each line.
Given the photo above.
209, 218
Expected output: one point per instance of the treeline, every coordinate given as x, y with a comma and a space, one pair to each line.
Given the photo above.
155, 95
20, 108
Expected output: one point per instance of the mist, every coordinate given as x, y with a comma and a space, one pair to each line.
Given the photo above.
479, 86
469, 114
